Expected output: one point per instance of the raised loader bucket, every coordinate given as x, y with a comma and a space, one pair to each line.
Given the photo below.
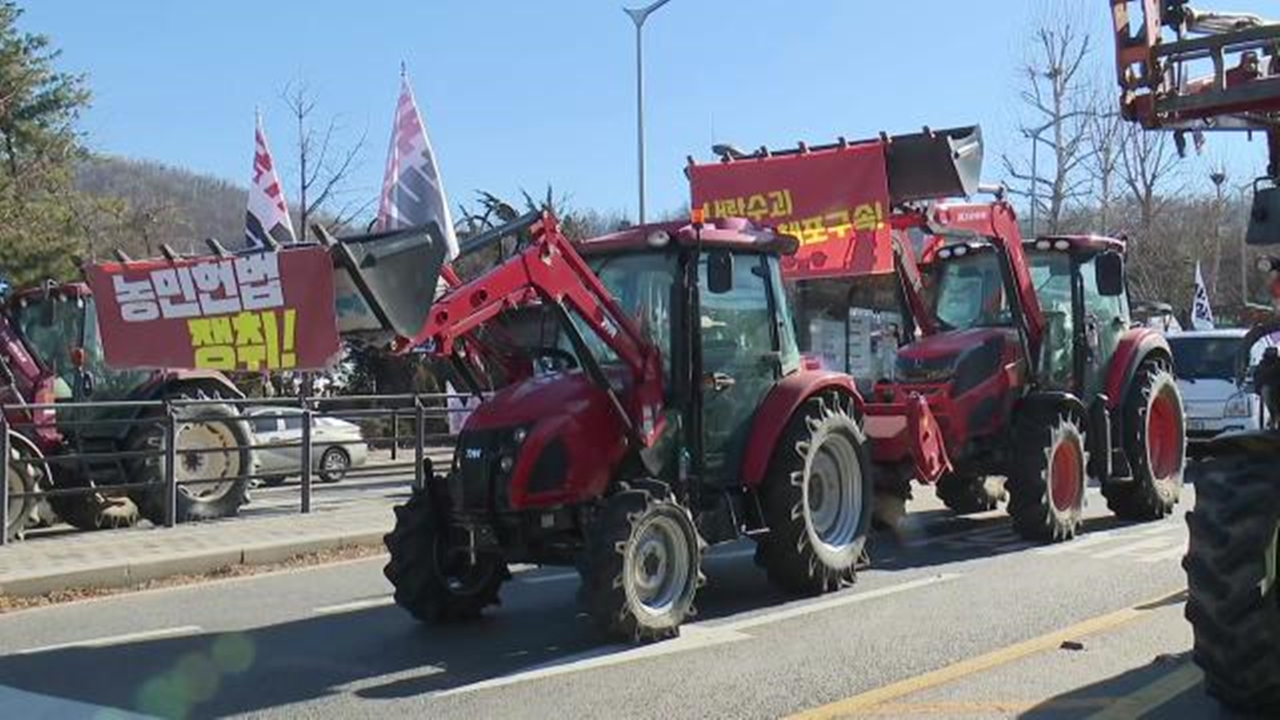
934, 164
384, 283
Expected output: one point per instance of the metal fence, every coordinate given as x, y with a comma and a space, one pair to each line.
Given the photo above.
98, 435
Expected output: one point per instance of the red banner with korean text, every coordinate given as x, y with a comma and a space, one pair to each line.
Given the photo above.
251, 312
834, 200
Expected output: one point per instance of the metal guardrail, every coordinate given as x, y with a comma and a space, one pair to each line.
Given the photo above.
382, 420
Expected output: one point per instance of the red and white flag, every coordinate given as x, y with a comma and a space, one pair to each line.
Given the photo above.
412, 192
268, 215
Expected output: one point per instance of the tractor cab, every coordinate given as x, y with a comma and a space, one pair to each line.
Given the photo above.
60, 324
1079, 281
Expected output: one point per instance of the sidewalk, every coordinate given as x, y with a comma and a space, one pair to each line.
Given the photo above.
116, 558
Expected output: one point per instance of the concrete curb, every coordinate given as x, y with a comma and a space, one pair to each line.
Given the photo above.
124, 574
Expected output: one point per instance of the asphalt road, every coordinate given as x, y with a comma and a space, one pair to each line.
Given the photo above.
958, 619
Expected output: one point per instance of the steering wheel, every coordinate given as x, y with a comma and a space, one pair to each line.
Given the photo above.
554, 359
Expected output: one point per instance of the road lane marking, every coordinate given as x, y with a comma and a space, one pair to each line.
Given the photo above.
986, 707
1152, 695
1132, 548
694, 636
355, 605
557, 577
1173, 553
807, 608
987, 661
115, 639
1103, 536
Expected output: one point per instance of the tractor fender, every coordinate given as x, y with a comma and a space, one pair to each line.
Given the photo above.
1135, 345
775, 411
1048, 403
160, 383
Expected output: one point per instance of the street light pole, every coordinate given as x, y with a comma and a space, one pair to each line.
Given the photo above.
638, 16
1034, 136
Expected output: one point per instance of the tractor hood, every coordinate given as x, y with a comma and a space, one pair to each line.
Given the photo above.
568, 394
936, 357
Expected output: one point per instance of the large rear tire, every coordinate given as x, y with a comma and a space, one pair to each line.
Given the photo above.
431, 582
214, 458
21, 479
101, 509
969, 494
818, 499
1155, 444
1233, 602
642, 566
1047, 484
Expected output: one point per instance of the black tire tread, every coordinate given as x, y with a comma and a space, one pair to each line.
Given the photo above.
1144, 498
786, 552
1237, 629
966, 494
413, 572
1030, 504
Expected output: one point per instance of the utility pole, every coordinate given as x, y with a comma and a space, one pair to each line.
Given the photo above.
1218, 177
638, 16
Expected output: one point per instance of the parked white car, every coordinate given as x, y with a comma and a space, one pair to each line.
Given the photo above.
337, 445
1205, 364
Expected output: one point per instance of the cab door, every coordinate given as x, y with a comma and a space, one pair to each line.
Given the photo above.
742, 340
1105, 319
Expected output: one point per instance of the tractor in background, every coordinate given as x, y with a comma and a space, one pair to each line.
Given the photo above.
1184, 71
1023, 353
51, 351
653, 403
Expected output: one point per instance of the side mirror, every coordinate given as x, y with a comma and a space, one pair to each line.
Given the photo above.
1109, 267
1264, 217
719, 271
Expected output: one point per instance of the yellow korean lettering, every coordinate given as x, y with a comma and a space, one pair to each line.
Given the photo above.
757, 207
218, 357
780, 203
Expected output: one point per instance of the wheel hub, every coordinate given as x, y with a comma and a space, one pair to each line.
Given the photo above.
1163, 447
834, 504
660, 564
206, 451
1065, 478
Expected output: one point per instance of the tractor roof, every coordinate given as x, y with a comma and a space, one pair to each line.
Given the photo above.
731, 233
1079, 243
72, 290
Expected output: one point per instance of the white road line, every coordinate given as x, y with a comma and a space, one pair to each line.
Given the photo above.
801, 609
355, 605
115, 639
694, 636
1173, 553
1155, 543
1102, 536
558, 577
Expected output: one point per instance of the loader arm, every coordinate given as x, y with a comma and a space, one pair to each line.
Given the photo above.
549, 271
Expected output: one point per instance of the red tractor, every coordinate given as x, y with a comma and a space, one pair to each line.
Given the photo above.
660, 406
1024, 356
51, 351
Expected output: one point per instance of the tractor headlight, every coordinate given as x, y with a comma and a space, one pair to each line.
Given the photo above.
506, 463
1237, 407
924, 370
520, 434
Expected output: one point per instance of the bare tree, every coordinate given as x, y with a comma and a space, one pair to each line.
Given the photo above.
1059, 109
1105, 130
323, 168
1147, 161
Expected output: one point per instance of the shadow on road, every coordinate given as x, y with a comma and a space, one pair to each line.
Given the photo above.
1126, 693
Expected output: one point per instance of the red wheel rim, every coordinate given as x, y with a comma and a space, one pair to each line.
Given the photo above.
1065, 476
1164, 451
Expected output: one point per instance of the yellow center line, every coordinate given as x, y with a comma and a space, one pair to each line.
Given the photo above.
980, 663
1152, 695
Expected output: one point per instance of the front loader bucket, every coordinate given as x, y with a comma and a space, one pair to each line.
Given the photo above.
384, 283
934, 164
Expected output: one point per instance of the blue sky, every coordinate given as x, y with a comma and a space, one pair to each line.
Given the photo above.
522, 94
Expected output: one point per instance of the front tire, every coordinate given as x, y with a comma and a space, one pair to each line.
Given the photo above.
817, 499
642, 566
334, 464
431, 582
1231, 563
1046, 487
1156, 446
